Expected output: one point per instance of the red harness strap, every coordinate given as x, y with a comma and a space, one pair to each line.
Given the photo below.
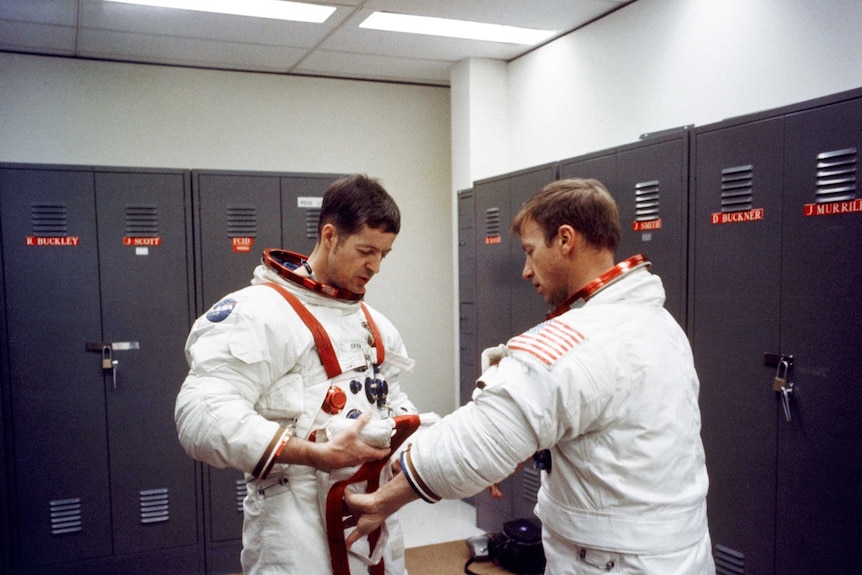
405, 425
321, 338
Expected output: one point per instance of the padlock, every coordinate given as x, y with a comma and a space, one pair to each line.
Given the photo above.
106, 358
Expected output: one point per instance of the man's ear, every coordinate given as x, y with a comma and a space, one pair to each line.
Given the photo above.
569, 238
328, 235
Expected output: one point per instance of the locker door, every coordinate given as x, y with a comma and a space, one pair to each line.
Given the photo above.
301, 198
528, 307
736, 279
495, 275
145, 272
61, 491
238, 216
651, 195
819, 500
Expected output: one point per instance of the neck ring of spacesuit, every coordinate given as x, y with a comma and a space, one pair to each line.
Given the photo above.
284, 263
615, 273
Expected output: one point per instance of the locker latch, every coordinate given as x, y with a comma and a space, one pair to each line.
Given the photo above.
107, 352
780, 384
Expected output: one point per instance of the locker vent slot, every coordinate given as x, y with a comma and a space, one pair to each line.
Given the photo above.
836, 176
66, 516
492, 225
49, 220
646, 201
142, 221
241, 222
532, 482
728, 561
154, 505
311, 217
241, 492
736, 188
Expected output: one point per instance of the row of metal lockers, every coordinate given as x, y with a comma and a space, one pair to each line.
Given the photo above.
103, 272
755, 227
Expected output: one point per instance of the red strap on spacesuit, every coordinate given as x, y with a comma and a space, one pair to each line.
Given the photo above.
321, 338
405, 425
375, 333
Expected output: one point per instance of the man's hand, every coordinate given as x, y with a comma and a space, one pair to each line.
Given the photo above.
371, 509
345, 449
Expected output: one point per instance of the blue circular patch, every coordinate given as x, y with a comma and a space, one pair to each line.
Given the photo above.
221, 310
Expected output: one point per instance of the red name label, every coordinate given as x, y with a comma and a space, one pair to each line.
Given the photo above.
833, 208
737, 217
127, 241
493, 240
242, 245
647, 225
64, 241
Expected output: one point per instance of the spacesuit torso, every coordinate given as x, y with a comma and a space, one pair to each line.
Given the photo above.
609, 388
255, 378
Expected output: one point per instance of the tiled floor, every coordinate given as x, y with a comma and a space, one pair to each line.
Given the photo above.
448, 520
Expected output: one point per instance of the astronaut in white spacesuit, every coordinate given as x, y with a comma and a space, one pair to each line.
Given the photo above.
295, 377
604, 390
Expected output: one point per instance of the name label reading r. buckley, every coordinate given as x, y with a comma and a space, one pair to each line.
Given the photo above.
53, 241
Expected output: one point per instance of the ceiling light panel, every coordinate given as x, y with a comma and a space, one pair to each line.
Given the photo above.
391, 22
273, 9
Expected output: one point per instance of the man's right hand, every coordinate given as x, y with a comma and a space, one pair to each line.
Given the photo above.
344, 449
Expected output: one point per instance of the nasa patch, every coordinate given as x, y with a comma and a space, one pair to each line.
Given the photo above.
221, 310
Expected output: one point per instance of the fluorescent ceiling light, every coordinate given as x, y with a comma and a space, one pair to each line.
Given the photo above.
276, 9
455, 28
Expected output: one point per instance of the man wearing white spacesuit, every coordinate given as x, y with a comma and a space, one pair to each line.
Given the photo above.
605, 388
295, 381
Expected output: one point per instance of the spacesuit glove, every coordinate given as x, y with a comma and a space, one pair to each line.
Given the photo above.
493, 355
376, 433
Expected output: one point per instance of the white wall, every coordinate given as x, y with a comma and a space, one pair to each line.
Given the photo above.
659, 64
65, 111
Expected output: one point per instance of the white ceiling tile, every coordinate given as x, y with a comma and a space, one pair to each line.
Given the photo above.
338, 47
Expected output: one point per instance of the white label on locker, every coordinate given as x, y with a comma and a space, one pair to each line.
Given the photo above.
309, 202
142, 251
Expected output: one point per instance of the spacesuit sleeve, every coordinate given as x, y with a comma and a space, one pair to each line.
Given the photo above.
485, 440
230, 363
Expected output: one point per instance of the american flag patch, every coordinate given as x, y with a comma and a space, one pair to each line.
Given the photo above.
548, 341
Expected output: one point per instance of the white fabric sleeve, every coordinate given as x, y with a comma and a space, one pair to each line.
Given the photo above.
484, 441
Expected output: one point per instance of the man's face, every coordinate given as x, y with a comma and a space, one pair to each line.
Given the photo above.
353, 260
544, 265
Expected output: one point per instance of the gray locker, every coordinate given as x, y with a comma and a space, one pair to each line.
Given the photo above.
776, 215
97, 297
506, 305
238, 215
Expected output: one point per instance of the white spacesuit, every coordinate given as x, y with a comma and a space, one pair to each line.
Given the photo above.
256, 378
609, 388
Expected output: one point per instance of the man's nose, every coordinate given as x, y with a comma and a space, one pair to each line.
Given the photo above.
527, 272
